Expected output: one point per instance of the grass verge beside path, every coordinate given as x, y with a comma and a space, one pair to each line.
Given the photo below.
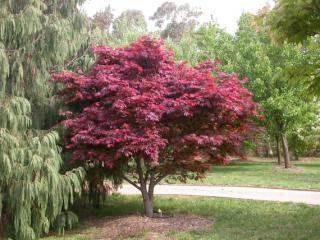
305, 174
233, 219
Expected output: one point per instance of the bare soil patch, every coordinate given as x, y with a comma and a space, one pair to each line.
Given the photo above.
141, 227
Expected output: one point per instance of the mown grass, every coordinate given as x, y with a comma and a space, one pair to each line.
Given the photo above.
264, 173
233, 219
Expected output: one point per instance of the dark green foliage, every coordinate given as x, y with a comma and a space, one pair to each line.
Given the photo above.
299, 22
295, 20
33, 192
36, 38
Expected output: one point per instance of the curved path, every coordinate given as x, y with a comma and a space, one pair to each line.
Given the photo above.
267, 194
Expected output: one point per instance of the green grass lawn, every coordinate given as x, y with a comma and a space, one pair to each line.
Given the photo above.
233, 219
304, 174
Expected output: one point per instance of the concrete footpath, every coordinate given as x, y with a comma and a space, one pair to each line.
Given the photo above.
266, 194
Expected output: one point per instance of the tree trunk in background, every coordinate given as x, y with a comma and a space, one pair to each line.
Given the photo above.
270, 152
285, 151
278, 150
94, 195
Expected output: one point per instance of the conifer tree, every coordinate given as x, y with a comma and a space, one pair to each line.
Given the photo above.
37, 38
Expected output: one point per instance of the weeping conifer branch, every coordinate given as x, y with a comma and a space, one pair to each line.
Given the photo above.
34, 193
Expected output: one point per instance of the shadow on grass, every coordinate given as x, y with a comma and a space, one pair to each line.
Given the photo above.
240, 166
234, 219
116, 205
308, 165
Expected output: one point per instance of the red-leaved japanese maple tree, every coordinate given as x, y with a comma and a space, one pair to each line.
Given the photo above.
145, 116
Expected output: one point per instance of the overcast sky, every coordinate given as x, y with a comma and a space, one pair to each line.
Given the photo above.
225, 12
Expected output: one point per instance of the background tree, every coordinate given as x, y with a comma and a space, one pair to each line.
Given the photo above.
215, 43
208, 42
185, 50
252, 54
287, 113
294, 20
298, 22
274, 84
174, 21
129, 21
145, 117
103, 19
264, 62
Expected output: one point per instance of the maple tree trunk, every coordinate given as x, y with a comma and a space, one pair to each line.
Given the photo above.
148, 179
278, 150
285, 151
147, 194
147, 201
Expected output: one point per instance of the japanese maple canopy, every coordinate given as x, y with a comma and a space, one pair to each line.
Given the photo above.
138, 102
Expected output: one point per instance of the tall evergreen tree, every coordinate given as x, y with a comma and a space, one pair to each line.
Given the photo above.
37, 38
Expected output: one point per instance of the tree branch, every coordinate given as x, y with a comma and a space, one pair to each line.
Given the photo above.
140, 171
131, 182
77, 57
151, 185
146, 178
160, 177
